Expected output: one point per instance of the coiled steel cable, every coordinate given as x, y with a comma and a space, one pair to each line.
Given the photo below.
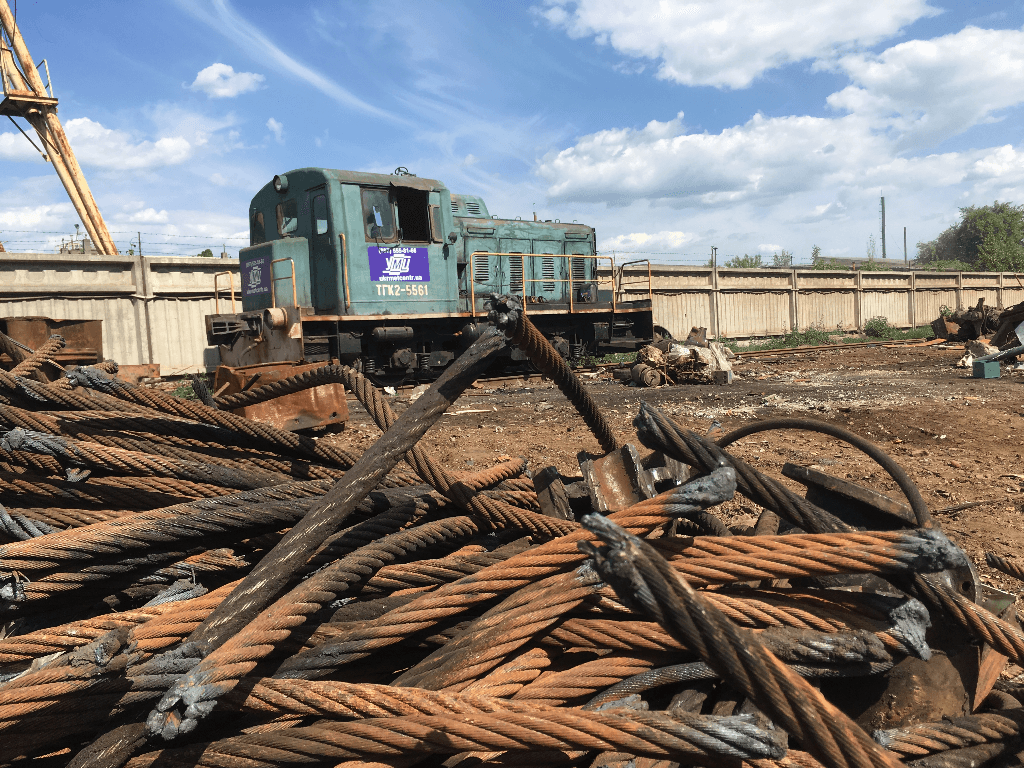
643, 579
507, 314
449, 600
325, 374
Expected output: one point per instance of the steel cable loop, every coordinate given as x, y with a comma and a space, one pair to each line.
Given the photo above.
508, 315
494, 512
880, 457
220, 671
81, 453
483, 724
452, 599
576, 684
108, 492
658, 432
316, 377
37, 359
501, 472
1003, 565
952, 733
509, 678
156, 400
643, 579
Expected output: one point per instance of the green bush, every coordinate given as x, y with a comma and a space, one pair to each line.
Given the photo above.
879, 328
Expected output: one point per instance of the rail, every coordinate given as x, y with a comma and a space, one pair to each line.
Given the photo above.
273, 283
524, 280
622, 273
216, 291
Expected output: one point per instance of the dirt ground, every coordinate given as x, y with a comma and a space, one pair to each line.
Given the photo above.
956, 436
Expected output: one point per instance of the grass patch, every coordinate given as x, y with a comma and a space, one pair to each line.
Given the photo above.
805, 338
879, 328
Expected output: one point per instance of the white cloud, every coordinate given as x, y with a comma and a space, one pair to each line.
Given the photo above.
103, 147
655, 242
227, 21
929, 90
277, 129
149, 216
769, 248
729, 43
220, 81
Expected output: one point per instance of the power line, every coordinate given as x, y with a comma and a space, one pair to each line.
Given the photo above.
122, 232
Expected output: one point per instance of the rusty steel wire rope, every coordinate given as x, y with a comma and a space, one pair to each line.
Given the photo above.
644, 579
508, 314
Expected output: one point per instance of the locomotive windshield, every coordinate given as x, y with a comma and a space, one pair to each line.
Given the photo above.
377, 205
287, 217
257, 232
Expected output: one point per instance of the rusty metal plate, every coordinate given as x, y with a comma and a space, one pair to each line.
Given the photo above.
316, 407
133, 374
84, 337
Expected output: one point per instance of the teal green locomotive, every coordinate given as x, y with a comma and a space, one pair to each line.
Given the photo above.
393, 273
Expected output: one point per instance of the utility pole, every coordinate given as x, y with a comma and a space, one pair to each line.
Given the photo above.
140, 242
714, 256
883, 228
906, 261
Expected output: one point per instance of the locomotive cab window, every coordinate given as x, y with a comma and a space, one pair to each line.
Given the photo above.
378, 215
413, 214
320, 214
287, 218
257, 232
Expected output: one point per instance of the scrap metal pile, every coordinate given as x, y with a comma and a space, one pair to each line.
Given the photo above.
182, 587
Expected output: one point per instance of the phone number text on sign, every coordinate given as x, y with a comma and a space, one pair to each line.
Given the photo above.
399, 264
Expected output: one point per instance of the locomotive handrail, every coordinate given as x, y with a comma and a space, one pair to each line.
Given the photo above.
273, 283
622, 271
344, 271
216, 291
522, 269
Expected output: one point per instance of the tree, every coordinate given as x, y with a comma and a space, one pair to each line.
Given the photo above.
871, 248
745, 261
782, 260
989, 237
206, 254
815, 253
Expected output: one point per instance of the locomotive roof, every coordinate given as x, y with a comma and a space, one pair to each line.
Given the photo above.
374, 179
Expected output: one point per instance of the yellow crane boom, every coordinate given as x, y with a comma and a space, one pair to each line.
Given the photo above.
25, 96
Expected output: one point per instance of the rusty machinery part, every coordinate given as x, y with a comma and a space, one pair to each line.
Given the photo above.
894, 470
508, 315
1003, 565
327, 374
17, 352
644, 580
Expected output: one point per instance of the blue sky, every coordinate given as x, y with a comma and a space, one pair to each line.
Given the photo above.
671, 127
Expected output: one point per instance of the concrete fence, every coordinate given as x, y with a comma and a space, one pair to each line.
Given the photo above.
744, 303
152, 308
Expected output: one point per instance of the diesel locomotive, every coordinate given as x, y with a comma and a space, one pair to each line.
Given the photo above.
392, 273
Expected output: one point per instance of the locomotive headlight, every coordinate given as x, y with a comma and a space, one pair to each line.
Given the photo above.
281, 183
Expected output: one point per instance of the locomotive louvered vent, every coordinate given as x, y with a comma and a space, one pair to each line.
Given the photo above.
481, 269
547, 273
473, 208
579, 272
515, 274
455, 207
